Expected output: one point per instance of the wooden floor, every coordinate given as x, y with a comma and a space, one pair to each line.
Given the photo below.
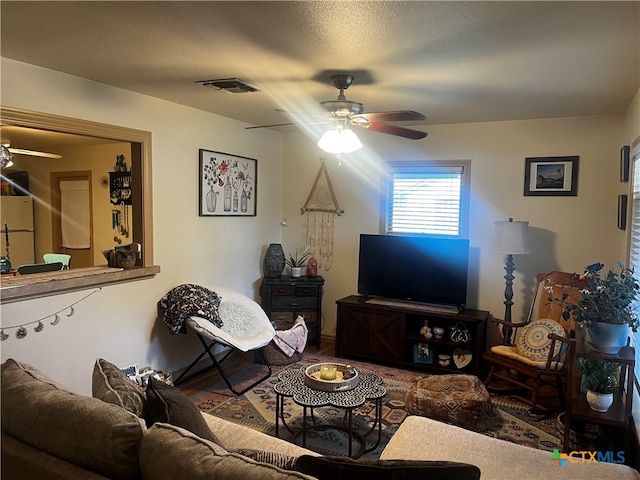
237, 362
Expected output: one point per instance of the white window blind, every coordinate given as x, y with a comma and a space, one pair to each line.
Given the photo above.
427, 199
634, 249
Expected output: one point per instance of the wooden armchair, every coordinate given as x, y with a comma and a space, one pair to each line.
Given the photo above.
532, 354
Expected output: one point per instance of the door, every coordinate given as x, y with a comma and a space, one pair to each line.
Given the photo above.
17, 216
72, 217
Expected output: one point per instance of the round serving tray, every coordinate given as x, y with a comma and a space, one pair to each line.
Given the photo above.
312, 378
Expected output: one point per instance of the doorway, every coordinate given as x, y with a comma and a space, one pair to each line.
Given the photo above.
72, 216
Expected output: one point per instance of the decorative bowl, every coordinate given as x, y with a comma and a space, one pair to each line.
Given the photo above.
313, 379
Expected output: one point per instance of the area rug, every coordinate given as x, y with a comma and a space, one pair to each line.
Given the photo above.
510, 420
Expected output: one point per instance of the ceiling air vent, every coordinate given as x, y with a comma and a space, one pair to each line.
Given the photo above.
233, 85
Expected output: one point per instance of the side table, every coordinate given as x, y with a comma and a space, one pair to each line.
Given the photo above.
370, 388
286, 297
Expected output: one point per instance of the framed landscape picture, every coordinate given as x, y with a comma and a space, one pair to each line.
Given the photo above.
551, 176
228, 184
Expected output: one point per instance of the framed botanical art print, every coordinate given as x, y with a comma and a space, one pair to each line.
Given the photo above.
228, 184
551, 176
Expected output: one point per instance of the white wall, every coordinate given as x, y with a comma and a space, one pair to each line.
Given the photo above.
567, 232
119, 322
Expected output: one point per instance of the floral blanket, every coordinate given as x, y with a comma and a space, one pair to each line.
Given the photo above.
187, 300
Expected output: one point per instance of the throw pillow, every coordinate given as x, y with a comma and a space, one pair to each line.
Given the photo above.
533, 340
110, 384
330, 468
166, 404
171, 452
82, 430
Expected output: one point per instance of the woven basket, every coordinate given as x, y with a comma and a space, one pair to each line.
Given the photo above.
274, 356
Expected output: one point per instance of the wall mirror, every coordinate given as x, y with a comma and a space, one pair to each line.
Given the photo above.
107, 167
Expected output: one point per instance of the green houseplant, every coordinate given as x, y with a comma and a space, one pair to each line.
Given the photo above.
606, 307
601, 381
296, 263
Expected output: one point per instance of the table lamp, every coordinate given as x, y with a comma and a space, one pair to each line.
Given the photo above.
511, 238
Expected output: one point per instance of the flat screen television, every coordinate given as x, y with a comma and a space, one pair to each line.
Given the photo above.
414, 268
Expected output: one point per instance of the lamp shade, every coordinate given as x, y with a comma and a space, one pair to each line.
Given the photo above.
339, 140
511, 238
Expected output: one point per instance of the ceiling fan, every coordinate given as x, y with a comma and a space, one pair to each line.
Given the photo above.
6, 146
343, 113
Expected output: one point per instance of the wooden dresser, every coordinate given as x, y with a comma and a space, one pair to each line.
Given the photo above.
286, 297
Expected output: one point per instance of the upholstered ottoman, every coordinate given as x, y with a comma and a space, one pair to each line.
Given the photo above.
460, 400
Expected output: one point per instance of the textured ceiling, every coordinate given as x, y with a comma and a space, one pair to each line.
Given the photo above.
452, 61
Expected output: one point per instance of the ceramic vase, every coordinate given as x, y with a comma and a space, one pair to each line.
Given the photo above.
274, 260
5, 265
599, 402
607, 337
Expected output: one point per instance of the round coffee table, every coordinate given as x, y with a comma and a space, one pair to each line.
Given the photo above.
370, 388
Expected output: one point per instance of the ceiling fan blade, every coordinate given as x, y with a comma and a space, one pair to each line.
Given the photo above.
393, 130
268, 126
33, 153
395, 116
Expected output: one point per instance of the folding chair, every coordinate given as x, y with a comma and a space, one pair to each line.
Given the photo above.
58, 257
245, 327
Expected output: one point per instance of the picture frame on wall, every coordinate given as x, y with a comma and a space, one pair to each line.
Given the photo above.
551, 176
228, 184
624, 163
622, 212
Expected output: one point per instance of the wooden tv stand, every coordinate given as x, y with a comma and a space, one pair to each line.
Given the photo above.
390, 333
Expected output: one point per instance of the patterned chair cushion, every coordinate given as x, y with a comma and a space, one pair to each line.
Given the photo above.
533, 340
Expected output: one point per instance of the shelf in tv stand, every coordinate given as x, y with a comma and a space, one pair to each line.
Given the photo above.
417, 306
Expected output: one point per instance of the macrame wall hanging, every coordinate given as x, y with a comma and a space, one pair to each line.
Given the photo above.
321, 208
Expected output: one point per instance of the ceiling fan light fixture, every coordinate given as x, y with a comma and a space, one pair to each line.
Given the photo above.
339, 140
6, 159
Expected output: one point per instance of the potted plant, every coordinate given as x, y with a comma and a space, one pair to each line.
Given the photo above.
601, 381
605, 308
586, 366
296, 263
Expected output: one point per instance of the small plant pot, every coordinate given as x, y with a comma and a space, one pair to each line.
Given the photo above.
296, 271
600, 402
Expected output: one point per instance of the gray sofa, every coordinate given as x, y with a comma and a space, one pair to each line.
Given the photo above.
49, 432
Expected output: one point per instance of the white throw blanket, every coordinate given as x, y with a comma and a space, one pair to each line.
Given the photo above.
292, 340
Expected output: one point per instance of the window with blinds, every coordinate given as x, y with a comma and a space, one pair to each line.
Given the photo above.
428, 198
634, 250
